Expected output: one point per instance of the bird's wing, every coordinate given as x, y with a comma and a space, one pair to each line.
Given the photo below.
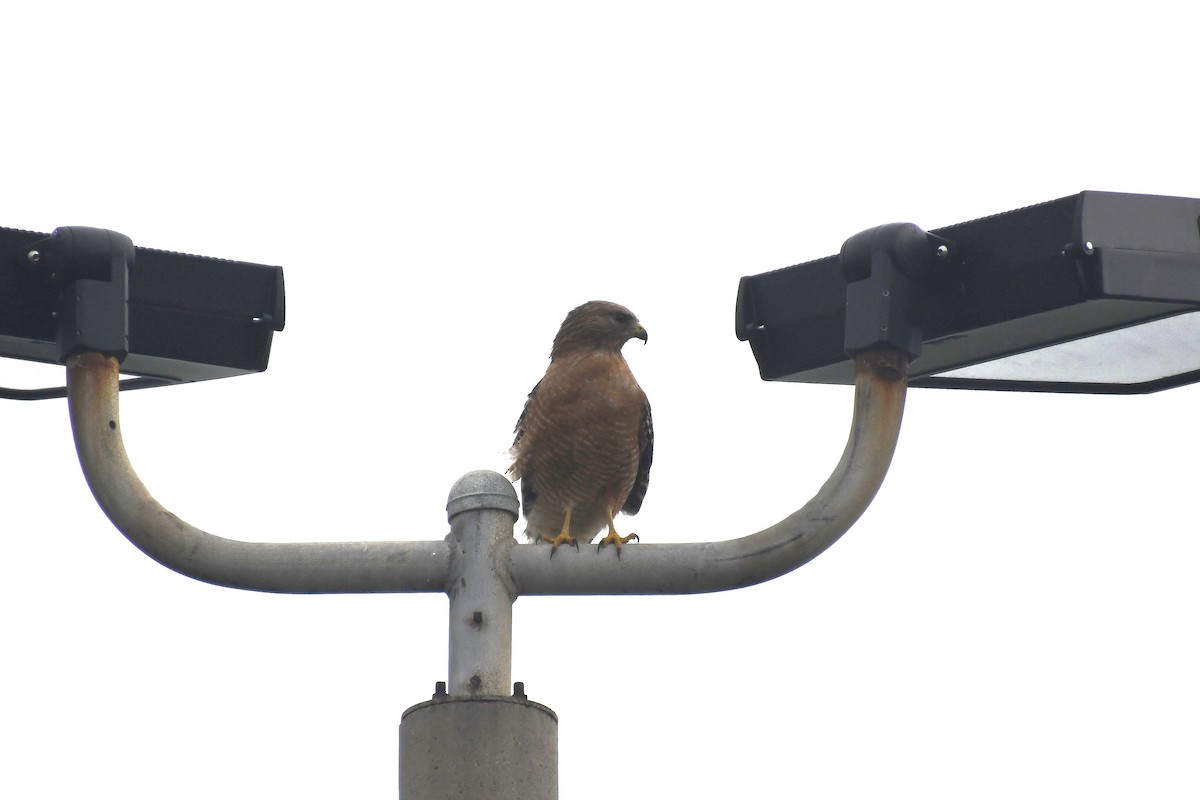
528, 496
646, 439
519, 430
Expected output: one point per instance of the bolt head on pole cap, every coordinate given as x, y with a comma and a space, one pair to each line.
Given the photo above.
482, 489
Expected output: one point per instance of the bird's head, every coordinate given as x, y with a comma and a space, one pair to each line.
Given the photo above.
597, 325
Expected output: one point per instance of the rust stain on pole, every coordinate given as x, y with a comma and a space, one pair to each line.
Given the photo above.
307, 567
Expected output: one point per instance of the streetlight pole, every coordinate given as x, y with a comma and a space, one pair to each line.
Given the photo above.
1023, 300
480, 737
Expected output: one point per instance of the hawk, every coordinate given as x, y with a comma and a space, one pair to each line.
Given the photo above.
585, 440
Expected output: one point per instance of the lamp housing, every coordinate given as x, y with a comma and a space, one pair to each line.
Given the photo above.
168, 317
1096, 292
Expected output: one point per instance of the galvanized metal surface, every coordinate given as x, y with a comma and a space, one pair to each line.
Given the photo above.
311, 567
432, 566
482, 508
475, 741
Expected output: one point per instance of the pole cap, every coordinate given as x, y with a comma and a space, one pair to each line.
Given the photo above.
482, 489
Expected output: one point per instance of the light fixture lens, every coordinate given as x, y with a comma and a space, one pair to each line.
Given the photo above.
1128, 356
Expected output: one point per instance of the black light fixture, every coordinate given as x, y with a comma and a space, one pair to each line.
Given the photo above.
1096, 292
168, 317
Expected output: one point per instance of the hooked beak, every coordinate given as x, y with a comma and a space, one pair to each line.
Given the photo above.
640, 333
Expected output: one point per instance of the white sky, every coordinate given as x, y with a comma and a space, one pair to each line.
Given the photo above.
1013, 617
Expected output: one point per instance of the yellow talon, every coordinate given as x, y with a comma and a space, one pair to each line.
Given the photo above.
564, 536
615, 539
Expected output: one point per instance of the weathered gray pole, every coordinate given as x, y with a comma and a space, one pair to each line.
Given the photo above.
341, 567
477, 738
482, 509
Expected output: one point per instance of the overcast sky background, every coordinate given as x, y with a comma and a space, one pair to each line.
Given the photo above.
1014, 615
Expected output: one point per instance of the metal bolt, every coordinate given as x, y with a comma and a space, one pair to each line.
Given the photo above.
477, 618
439, 689
33, 256
1089, 248
519, 690
942, 251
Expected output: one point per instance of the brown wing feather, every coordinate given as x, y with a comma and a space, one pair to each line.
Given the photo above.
528, 495
633, 503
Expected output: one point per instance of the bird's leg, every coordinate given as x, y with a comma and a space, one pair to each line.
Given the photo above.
615, 539
564, 536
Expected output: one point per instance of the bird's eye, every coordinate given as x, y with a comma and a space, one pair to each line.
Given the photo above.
621, 318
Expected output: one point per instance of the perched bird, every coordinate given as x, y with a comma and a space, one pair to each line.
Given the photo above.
584, 441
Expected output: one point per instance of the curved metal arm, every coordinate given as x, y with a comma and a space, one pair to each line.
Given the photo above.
328, 567
880, 387
309, 567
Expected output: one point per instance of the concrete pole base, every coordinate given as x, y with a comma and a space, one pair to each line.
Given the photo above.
479, 748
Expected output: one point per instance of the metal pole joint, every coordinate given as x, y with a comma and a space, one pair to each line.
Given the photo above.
482, 509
